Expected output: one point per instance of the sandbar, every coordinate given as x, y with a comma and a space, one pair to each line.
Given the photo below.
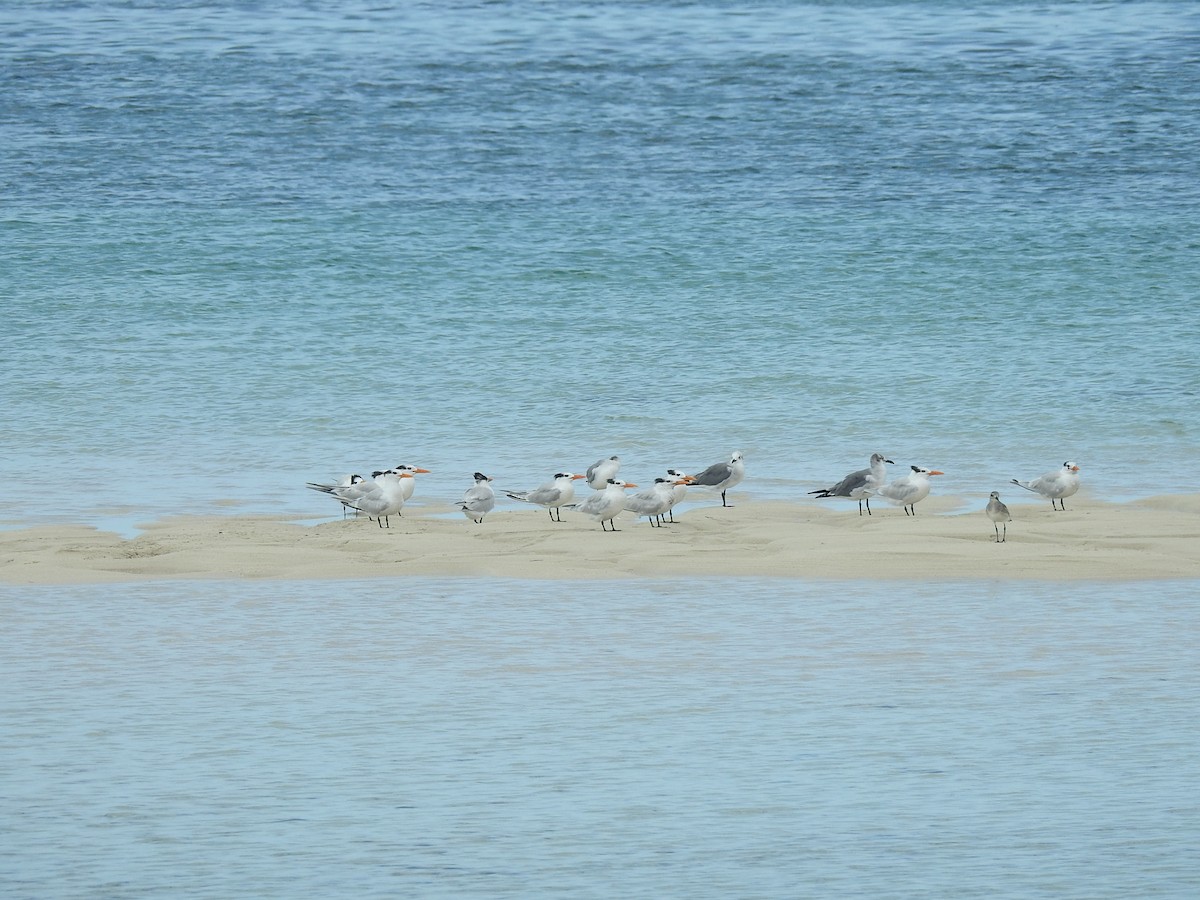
1149, 539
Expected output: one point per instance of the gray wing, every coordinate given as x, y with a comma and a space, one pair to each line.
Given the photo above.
546, 495
899, 490
479, 499
855, 481
714, 474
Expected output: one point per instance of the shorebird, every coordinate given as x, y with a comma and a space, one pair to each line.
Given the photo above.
409, 484
345, 482
1055, 486
605, 505
723, 475
678, 490
999, 514
602, 471
553, 495
909, 490
380, 498
654, 500
858, 485
479, 499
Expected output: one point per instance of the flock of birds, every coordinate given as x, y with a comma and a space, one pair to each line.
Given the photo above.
384, 494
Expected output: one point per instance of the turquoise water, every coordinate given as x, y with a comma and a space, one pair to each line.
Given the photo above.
427, 738
247, 246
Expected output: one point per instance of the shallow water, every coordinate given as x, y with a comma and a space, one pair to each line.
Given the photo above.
751, 738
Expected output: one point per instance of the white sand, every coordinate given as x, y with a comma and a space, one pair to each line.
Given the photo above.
1149, 539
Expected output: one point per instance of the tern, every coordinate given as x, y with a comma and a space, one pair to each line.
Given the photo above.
1055, 486
384, 498
479, 499
346, 481
605, 505
602, 471
909, 490
654, 500
999, 514
409, 484
723, 475
858, 485
678, 489
553, 495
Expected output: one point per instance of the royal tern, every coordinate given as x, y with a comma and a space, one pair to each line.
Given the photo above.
723, 475
602, 471
654, 500
383, 499
1055, 485
346, 481
553, 495
678, 489
605, 505
858, 485
410, 484
479, 499
909, 490
999, 514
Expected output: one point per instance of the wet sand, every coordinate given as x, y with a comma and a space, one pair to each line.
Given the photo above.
1148, 539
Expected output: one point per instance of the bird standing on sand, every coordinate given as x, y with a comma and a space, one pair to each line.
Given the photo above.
553, 495
1055, 486
723, 475
479, 499
409, 484
654, 500
998, 513
909, 490
605, 505
678, 490
858, 485
381, 498
602, 471
343, 483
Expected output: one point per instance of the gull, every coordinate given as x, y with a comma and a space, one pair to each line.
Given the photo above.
479, 499
384, 497
1055, 485
605, 505
602, 471
858, 485
654, 500
722, 476
909, 490
678, 489
553, 495
998, 513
